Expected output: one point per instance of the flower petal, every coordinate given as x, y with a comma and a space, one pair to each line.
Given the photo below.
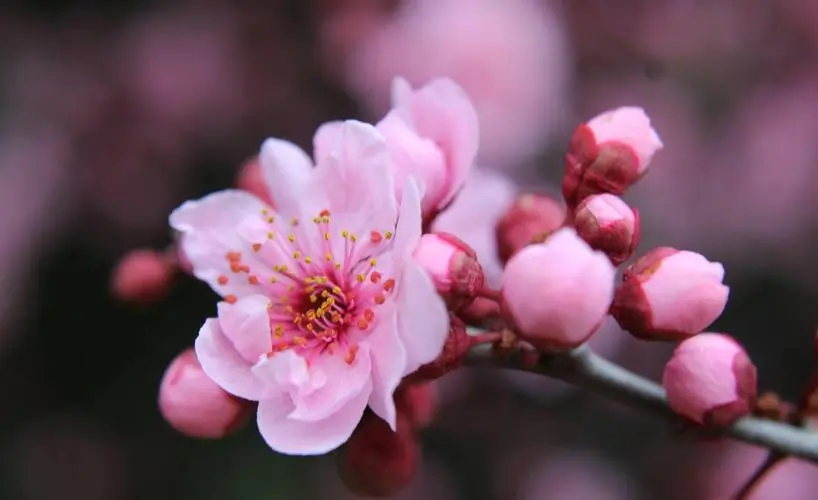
357, 175
298, 437
286, 373
343, 382
388, 367
325, 139
221, 362
247, 325
208, 233
423, 322
287, 171
409, 226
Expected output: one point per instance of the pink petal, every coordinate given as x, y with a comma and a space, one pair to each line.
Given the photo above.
325, 139
423, 322
343, 382
208, 233
409, 226
288, 173
247, 325
221, 362
416, 156
285, 373
357, 175
298, 437
388, 367
442, 112
401, 92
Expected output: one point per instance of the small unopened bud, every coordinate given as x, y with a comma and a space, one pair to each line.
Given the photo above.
457, 345
670, 294
609, 225
418, 401
195, 405
609, 154
530, 219
453, 266
142, 277
377, 462
710, 380
557, 293
251, 179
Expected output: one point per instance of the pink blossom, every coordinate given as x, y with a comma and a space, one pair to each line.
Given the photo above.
609, 154
531, 218
509, 56
324, 310
710, 379
432, 136
609, 225
473, 217
453, 267
194, 404
558, 292
670, 294
142, 276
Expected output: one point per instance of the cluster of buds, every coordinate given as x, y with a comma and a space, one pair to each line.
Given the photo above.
559, 284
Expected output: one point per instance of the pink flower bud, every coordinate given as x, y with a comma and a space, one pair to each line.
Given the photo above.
558, 292
670, 294
418, 401
377, 462
710, 380
530, 219
609, 225
609, 154
142, 277
195, 405
453, 267
251, 179
457, 345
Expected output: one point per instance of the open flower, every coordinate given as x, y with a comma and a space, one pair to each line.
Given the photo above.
432, 135
324, 309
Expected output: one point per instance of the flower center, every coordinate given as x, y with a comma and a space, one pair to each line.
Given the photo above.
324, 282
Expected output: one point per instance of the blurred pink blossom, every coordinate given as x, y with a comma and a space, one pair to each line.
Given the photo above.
510, 57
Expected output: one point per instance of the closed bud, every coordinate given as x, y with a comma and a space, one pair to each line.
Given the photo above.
710, 380
142, 277
418, 402
609, 225
609, 154
457, 345
530, 219
453, 267
557, 293
195, 405
670, 294
377, 462
251, 179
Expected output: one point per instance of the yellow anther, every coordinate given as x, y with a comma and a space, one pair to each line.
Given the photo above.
296, 255
353, 237
388, 235
344, 234
337, 290
278, 331
360, 278
373, 262
271, 235
291, 237
308, 260
326, 236
271, 220
328, 257
294, 221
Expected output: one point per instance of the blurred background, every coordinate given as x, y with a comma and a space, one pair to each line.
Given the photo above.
113, 113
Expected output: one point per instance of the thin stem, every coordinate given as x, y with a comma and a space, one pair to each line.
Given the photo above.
772, 460
583, 368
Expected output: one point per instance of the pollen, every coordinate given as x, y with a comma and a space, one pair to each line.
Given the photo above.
389, 285
296, 255
223, 280
344, 234
375, 237
388, 235
271, 235
328, 257
291, 237
253, 280
375, 277
233, 256
256, 247
360, 278
362, 324
324, 213
380, 299
278, 331
235, 266
231, 299
373, 262
349, 358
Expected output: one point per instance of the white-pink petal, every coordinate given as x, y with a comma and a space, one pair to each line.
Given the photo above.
208, 232
246, 324
298, 437
223, 363
388, 366
288, 173
423, 321
410, 225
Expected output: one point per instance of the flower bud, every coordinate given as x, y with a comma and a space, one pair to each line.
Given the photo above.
670, 294
609, 225
457, 345
609, 154
142, 277
377, 462
418, 401
251, 179
710, 380
557, 293
530, 219
195, 405
453, 267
